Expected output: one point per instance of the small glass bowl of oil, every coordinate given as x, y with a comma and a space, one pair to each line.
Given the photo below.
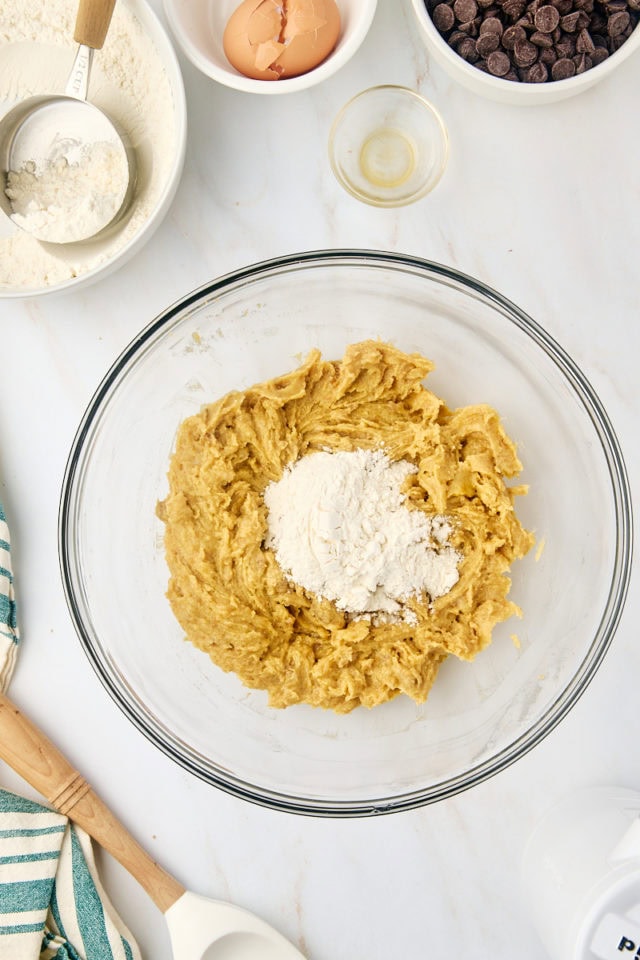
388, 146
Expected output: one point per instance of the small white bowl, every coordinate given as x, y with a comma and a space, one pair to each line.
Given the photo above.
514, 91
198, 26
60, 268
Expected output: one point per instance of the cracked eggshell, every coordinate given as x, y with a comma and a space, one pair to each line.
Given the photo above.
276, 39
198, 27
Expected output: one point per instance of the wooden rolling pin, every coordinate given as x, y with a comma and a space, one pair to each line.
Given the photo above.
31, 754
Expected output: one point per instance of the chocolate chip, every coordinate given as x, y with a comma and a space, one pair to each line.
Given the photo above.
599, 55
487, 43
548, 56
491, 25
546, 18
563, 69
525, 53
498, 63
513, 9
618, 23
465, 10
541, 39
570, 21
455, 38
511, 35
584, 43
538, 73
566, 47
470, 28
467, 50
443, 18
616, 42
598, 24
526, 22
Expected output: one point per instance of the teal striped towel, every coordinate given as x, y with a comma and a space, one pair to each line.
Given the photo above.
9, 636
52, 904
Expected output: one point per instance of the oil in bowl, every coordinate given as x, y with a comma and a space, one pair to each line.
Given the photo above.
387, 158
388, 146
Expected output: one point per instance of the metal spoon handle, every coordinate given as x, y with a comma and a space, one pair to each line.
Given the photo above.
92, 22
78, 82
31, 754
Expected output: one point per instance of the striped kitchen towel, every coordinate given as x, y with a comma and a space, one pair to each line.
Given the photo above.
52, 904
9, 636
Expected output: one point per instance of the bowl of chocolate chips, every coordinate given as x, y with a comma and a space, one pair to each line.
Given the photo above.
529, 51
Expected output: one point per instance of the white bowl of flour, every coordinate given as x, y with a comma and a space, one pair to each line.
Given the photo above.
136, 80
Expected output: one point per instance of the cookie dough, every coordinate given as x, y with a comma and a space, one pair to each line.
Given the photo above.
226, 588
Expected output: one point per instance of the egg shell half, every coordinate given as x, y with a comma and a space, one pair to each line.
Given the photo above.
276, 39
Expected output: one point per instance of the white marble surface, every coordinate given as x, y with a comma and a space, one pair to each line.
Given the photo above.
541, 203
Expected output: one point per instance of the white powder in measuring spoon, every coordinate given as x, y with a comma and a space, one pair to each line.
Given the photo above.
70, 194
339, 526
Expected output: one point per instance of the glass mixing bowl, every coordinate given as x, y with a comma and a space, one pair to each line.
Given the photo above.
480, 716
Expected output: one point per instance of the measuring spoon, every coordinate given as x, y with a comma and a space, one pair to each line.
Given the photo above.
200, 929
53, 147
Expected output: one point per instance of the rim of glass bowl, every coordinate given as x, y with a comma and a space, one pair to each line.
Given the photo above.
594, 655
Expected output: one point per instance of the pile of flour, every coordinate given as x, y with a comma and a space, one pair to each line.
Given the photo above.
128, 82
339, 526
70, 194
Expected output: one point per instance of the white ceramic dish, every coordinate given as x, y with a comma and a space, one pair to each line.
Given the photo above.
199, 25
511, 91
160, 164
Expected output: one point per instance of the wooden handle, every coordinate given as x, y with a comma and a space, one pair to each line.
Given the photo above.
31, 754
92, 22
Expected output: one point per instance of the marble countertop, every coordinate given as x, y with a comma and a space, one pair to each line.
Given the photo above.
540, 203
